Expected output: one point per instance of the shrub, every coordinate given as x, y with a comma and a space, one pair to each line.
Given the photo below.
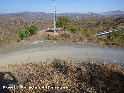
24, 33
73, 29
32, 29
84, 32
103, 39
0, 40
116, 36
63, 21
71, 25
79, 30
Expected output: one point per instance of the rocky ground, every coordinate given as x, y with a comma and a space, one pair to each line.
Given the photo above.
62, 77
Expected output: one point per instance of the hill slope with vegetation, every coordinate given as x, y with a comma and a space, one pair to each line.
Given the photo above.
85, 31
85, 27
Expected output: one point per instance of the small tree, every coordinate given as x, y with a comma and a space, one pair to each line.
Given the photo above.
24, 33
32, 29
63, 21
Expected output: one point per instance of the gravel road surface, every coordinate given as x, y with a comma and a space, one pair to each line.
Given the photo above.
36, 50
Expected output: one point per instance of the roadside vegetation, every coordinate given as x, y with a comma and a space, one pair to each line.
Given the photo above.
63, 77
28, 31
85, 30
116, 36
113, 39
71, 25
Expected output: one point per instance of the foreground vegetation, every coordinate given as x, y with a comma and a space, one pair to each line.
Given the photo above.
63, 77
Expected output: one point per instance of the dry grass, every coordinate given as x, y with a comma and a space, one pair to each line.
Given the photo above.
81, 77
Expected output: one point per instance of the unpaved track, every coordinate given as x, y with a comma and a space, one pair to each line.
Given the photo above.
37, 50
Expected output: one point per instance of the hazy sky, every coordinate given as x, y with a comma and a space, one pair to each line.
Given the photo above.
81, 6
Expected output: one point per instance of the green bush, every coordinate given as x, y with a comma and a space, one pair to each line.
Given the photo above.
0, 40
103, 39
28, 31
24, 33
73, 29
79, 30
71, 25
84, 32
116, 36
32, 29
63, 21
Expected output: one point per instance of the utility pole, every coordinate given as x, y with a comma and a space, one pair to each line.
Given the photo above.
54, 3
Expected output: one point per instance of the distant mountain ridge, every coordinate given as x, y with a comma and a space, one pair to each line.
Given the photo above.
27, 16
46, 17
114, 12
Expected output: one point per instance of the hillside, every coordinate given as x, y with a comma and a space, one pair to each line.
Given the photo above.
10, 24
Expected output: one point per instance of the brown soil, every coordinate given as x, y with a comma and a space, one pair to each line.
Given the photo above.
68, 76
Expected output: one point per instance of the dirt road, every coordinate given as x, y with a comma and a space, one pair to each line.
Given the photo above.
37, 50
